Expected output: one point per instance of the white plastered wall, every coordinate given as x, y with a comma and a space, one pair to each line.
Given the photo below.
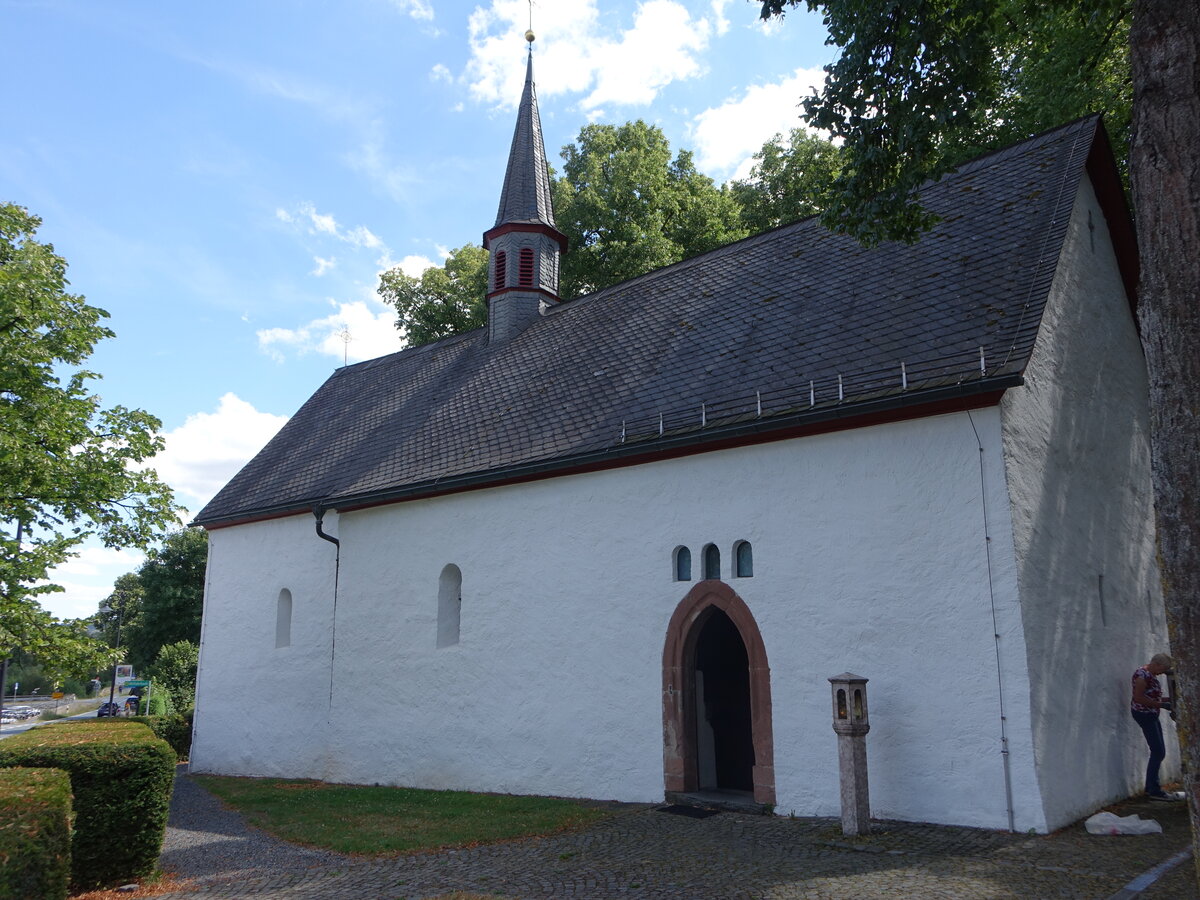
1076, 442
869, 556
260, 710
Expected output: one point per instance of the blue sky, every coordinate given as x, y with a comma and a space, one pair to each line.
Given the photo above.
228, 180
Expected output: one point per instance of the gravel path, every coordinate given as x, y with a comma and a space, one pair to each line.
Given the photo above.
640, 852
203, 839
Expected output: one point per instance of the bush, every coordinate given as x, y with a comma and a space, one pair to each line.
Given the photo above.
121, 775
158, 704
175, 670
176, 730
35, 834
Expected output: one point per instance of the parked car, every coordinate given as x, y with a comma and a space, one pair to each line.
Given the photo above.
109, 709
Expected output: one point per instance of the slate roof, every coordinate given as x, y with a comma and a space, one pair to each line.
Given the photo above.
791, 326
525, 195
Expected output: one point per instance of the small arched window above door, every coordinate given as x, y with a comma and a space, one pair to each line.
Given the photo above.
712, 561
743, 560
683, 564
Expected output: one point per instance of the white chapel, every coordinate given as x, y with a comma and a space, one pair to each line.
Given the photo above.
615, 547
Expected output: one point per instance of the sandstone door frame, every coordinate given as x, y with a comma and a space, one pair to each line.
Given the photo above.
680, 769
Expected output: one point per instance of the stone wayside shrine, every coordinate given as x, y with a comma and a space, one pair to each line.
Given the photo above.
611, 547
851, 724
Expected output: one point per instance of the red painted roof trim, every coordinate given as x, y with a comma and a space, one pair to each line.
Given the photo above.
525, 227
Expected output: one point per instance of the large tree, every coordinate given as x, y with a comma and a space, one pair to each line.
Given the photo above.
70, 468
627, 207
916, 80
922, 86
789, 181
445, 300
172, 598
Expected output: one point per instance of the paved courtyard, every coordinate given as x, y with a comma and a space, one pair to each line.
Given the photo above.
642, 851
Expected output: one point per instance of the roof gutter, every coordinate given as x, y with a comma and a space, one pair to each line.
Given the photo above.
968, 395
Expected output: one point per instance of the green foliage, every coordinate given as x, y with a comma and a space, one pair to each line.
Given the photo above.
69, 468
443, 301
121, 778
35, 839
121, 607
789, 181
31, 677
172, 599
375, 820
921, 86
626, 207
175, 729
156, 702
174, 670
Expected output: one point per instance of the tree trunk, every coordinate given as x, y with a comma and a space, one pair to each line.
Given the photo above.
1165, 174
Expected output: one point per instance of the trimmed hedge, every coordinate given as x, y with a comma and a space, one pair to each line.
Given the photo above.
35, 834
175, 730
121, 775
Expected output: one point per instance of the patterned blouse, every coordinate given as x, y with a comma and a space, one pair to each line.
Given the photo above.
1153, 690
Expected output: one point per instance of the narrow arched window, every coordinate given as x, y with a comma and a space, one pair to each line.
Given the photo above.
712, 561
501, 270
283, 619
525, 267
743, 559
449, 606
683, 564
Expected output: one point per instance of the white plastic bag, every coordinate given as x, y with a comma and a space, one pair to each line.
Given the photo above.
1111, 823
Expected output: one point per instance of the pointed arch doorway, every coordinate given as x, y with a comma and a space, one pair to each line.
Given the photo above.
716, 697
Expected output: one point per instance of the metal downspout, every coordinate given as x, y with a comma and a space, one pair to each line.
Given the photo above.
987, 544
319, 515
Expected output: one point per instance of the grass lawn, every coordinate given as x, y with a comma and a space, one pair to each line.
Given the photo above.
380, 820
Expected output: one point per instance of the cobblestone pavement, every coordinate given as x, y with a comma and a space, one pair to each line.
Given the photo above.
643, 852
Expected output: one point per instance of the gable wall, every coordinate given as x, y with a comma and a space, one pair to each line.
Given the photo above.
1077, 455
247, 568
869, 556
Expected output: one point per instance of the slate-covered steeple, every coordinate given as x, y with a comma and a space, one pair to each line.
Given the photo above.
524, 244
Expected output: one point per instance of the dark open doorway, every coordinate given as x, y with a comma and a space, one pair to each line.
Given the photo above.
716, 693
724, 740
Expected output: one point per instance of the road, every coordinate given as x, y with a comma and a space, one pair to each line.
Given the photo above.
19, 727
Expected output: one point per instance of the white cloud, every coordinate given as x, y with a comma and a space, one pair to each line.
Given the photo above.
418, 9
414, 265
440, 73
361, 236
371, 325
326, 223
727, 136
720, 22
95, 560
576, 55
323, 265
209, 448
87, 579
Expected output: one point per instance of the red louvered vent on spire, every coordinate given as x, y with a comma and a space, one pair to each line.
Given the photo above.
525, 267
501, 270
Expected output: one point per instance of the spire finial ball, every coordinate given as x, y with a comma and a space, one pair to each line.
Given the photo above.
529, 35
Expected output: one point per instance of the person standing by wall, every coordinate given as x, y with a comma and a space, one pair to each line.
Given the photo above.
1147, 701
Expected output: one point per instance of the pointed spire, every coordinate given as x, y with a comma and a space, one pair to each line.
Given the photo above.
525, 198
